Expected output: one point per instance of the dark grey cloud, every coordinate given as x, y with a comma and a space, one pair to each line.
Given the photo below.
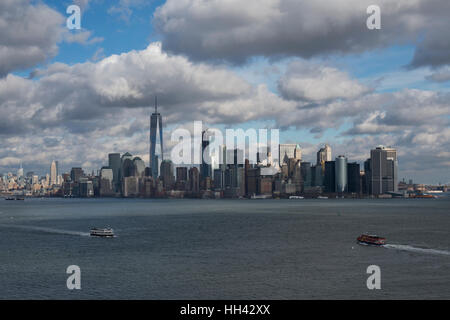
28, 34
237, 30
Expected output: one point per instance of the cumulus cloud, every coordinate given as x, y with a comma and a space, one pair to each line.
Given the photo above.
313, 82
236, 30
78, 114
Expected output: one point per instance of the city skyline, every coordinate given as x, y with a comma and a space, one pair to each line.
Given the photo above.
76, 95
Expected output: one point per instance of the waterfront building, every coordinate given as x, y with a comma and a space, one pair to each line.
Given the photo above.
354, 177
106, 187
383, 170
341, 174
219, 179
115, 163
306, 172
330, 177
317, 175
167, 174
194, 180
86, 188
130, 186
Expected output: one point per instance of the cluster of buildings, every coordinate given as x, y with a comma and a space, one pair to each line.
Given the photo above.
232, 176
30, 183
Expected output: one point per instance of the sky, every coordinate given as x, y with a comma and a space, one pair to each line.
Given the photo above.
310, 68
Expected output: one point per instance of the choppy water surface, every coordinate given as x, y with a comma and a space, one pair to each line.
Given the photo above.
224, 249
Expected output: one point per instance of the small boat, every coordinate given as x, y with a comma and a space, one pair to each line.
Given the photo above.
373, 240
322, 197
102, 232
296, 197
10, 198
260, 196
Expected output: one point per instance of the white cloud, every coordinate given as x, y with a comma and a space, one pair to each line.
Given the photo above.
78, 114
311, 82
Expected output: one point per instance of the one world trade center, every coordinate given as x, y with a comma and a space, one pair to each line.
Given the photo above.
155, 122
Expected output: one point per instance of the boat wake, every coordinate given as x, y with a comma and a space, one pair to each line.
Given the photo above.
47, 230
404, 247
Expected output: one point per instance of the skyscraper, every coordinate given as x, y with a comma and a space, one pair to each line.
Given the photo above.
383, 169
54, 173
115, 164
139, 166
341, 174
353, 177
194, 185
288, 151
167, 174
323, 155
155, 123
330, 176
205, 168
76, 174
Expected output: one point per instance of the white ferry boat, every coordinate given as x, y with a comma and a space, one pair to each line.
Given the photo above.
296, 197
102, 232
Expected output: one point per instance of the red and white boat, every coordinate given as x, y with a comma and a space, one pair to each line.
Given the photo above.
368, 239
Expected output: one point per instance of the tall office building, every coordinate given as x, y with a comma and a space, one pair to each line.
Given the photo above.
54, 173
288, 151
323, 155
341, 174
194, 181
354, 177
115, 163
330, 176
306, 172
367, 181
106, 182
205, 168
155, 123
140, 167
128, 168
383, 170
76, 174
167, 174
182, 174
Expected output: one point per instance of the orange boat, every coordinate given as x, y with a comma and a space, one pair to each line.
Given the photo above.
423, 196
373, 240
